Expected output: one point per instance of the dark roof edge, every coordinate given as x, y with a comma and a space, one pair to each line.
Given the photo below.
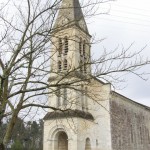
139, 104
68, 114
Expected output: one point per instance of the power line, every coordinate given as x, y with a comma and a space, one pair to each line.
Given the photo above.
136, 19
130, 7
117, 10
125, 22
124, 28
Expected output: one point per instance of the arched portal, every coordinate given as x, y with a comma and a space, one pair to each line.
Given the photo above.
87, 144
61, 141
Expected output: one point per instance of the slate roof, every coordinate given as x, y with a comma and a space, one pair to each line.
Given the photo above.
71, 10
68, 114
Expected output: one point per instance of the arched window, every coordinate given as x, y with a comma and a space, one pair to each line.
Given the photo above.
83, 59
60, 47
59, 66
80, 46
96, 142
65, 64
87, 144
66, 46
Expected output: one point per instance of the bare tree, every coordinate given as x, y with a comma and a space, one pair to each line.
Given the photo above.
25, 55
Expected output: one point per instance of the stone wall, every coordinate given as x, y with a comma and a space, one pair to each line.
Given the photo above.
130, 124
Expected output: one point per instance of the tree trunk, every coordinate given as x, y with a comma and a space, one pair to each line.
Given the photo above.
2, 147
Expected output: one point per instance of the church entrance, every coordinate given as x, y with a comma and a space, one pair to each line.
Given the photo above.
62, 141
88, 144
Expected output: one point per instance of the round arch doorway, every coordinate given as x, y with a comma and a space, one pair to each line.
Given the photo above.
87, 144
61, 141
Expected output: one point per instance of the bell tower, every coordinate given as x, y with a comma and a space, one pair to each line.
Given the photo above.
70, 57
70, 61
70, 40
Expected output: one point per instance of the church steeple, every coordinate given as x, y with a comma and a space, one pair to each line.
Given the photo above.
70, 13
71, 40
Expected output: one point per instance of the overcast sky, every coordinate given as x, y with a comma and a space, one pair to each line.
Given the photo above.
128, 21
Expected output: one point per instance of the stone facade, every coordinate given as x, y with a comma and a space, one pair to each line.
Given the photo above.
130, 124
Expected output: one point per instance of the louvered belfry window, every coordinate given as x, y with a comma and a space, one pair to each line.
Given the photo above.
83, 60
65, 64
65, 45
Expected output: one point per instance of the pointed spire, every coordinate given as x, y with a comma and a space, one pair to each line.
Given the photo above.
70, 14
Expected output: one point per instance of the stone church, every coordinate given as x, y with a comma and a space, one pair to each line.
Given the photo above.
93, 117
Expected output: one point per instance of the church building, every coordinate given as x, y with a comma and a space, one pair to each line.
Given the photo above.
92, 116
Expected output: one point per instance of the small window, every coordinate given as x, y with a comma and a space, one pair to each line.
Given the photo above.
125, 111
96, 143
141, 136
66, 46
59, 66
131, 133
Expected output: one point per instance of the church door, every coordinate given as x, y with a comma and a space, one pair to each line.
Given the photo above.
62, 141
88, 144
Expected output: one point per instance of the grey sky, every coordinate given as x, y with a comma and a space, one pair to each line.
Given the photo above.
128, 21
